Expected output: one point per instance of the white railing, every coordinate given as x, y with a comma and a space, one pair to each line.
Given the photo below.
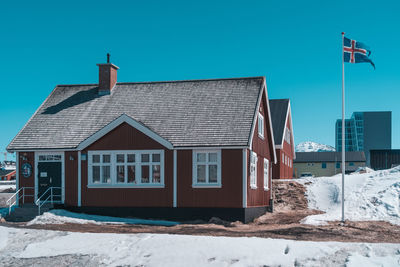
50, 198
17, 197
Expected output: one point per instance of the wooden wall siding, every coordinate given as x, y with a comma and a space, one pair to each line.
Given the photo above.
125, 137
71, 178
263, 148
276, 168
30, 181
228, 196
286, 171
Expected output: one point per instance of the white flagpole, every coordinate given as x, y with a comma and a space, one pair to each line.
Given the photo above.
343, 132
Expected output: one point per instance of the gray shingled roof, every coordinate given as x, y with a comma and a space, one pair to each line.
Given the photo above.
186, 113
278, 108
357, 156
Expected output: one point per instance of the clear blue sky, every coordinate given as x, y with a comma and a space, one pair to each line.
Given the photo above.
295, 44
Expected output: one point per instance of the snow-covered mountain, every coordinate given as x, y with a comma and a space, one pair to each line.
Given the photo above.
310, 146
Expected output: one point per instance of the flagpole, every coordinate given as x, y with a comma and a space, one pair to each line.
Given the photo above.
343, 131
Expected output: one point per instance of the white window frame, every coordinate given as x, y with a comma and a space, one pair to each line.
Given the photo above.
287, 135
260, 125
138, 169
266, 174
283, 158
207, 183
253, 170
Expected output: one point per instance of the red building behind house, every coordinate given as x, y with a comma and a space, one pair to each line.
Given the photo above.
180, 150
284, 141
7, 175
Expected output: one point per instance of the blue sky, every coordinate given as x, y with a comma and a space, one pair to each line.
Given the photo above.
295, 44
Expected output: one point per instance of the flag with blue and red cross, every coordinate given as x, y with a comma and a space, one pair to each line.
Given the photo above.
356, 52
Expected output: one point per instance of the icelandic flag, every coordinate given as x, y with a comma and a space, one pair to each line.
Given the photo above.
356, 52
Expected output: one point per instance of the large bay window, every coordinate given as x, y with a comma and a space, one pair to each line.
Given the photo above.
207, 168
253, 170
136, 168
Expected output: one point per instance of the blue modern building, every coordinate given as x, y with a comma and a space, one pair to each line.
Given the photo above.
365, 131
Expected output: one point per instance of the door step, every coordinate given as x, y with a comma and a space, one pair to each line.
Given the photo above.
26, 213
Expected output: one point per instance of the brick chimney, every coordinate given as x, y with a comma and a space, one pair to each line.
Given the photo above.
107, 77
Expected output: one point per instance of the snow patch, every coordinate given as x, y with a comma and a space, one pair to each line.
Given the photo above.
371, 196
64, 216
183, 250
310, 146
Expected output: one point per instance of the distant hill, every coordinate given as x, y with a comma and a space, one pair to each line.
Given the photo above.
309, 146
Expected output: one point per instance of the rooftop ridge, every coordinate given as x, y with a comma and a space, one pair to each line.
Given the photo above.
172, 81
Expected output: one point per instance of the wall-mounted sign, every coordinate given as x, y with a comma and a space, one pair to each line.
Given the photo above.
26, 170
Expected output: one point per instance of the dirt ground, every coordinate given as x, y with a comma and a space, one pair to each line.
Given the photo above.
290, 206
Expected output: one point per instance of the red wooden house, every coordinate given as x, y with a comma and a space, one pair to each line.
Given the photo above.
281, 115
176, 149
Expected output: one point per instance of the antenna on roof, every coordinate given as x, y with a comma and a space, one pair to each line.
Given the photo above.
108, 58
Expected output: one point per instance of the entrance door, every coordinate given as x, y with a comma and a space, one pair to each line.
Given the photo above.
49, 175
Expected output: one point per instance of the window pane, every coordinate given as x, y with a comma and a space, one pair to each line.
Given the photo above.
131, 157
145, 157
145, 173
96, 158
120, 173
201, 173
156, 157
96, 174
156, 174
120, 158
106, 176
201, 157
131, 174
212, 157
106, 158
212, 173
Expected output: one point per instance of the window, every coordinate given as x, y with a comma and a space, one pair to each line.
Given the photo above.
266, 178
323, 165
283, 158
351, 163
287, 135
207, 168
136, 168
260, 125
337, 165
253, 170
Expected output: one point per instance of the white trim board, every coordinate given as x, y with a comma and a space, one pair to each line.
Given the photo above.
244, 164
118, 121
291, 130
17, 175
255, 117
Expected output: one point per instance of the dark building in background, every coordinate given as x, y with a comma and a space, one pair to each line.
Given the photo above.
365, 131
385, 158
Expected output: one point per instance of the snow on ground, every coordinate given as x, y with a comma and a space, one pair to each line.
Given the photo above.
4, 185
34, 247
64, 216
373, 196
310, 146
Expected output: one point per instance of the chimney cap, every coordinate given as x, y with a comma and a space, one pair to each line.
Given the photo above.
108, 64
